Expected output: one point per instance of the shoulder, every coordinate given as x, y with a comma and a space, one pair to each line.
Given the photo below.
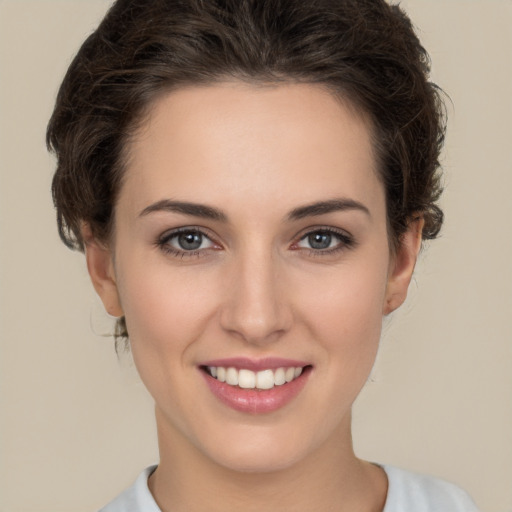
136, 498
413, 492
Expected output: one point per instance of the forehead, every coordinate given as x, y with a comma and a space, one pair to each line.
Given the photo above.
294, 143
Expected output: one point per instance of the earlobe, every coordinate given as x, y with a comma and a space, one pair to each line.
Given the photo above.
402, 266
101, 270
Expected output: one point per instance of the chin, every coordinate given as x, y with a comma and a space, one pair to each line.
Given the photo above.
256, 460
258, 450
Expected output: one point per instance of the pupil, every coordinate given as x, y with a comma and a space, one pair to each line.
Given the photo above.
190, 241
320, 240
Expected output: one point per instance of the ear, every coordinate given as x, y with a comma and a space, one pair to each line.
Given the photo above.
402, 266
101, 270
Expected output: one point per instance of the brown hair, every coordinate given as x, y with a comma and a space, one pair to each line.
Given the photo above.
363, 50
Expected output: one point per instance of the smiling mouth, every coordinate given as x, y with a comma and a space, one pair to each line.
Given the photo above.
260, 380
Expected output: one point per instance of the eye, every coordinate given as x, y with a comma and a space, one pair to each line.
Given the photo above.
319, 240
325, 241
185, 242
188, 241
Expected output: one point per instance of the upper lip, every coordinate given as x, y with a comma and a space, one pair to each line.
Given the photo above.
256, 365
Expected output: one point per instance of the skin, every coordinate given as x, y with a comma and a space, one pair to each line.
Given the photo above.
254, 288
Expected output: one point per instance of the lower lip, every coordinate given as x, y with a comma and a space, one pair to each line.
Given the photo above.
256, 401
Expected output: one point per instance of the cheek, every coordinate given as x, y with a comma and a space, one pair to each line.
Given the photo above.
166, 314
345, 317
165, 310
349, 303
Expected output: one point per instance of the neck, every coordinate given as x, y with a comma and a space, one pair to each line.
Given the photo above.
332, 478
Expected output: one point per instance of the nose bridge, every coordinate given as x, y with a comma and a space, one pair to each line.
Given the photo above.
256, 306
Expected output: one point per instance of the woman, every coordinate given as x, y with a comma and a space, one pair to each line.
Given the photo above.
251, 183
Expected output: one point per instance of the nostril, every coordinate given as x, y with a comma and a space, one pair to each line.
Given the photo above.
261, 326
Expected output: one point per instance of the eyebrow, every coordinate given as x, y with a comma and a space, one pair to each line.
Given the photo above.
209, 212
194, 209
324, 207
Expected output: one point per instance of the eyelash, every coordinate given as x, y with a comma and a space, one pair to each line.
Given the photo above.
346, 241
163, 243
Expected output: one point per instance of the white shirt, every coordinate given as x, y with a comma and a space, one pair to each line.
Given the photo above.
407, 492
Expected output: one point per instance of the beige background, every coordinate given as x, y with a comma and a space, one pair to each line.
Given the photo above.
76, 426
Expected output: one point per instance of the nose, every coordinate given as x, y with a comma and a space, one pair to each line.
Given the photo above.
256, 308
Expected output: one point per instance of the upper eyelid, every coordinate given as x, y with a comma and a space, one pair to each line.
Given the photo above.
170, 233
328, 229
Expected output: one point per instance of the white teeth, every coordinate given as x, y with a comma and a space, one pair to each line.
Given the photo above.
221, 374
279, 377
247, 379
232, 376
289, 374
265, 379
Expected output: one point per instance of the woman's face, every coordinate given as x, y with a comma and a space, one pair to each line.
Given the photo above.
250, 240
